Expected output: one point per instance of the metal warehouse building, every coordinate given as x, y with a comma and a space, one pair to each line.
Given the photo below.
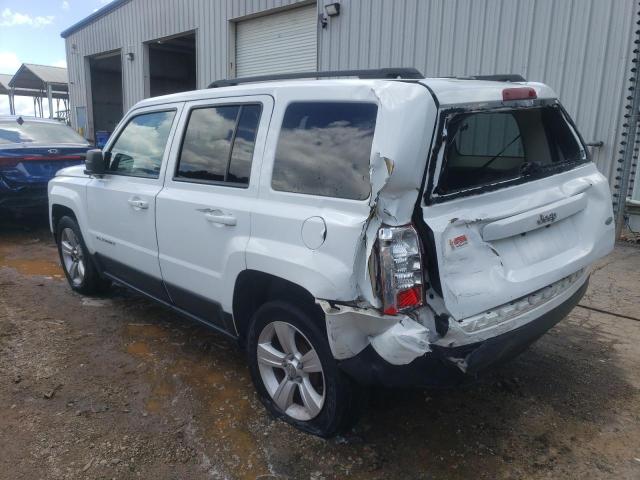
585, 49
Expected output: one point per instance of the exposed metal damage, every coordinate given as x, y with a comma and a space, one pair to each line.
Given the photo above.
488, 251
394, 192
397, 339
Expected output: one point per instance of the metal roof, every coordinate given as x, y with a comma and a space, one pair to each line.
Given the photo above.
109, 7
4, 83
34, 76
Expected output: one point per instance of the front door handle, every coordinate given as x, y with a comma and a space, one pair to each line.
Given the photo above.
218, 216
138, 204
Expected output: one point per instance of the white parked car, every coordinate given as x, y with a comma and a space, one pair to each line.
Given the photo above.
347, 232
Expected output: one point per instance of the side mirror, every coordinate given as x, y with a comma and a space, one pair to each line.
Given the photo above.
94, 163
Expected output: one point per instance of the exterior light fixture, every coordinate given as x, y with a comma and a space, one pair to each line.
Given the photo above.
130, 56
332, 9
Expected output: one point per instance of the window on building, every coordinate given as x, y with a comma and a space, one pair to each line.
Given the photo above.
139, 149
218, 144
324, 149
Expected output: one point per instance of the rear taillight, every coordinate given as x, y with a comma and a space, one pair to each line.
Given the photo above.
12, 162
53, 157
9, 162
400, 262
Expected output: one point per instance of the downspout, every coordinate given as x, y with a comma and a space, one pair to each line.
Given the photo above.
626, 169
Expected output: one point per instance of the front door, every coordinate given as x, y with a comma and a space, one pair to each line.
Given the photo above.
122, 203
204, 209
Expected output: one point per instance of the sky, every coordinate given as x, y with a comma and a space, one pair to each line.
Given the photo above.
30, 33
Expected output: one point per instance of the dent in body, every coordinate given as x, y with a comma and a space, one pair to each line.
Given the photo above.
397, 339
480, 274
406, 116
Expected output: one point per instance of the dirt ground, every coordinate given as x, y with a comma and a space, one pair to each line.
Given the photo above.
117, 387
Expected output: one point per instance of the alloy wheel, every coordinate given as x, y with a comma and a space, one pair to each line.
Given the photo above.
72, 256
291, 370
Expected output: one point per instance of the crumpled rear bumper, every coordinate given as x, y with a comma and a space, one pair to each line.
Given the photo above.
450, 366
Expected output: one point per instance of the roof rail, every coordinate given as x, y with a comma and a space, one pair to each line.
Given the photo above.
499, 77
379, 73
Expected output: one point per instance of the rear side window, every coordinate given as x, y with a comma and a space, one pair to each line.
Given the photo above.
139, 148
486, 148
218, 144
36, 132
324, 149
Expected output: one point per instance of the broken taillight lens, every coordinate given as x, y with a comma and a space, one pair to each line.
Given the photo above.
400, 263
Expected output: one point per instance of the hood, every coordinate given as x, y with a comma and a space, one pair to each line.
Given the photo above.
74, 171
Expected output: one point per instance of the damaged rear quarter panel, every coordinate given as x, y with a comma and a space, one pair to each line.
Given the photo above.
406, 119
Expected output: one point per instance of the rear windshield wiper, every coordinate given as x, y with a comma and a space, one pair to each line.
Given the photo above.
499, 153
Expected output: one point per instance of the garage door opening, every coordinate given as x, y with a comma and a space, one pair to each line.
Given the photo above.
281, 42
172, 65
106, 94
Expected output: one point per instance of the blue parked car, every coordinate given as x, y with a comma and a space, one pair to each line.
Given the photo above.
32, 150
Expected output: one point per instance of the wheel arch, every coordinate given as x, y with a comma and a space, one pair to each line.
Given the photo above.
57, 212
254, 288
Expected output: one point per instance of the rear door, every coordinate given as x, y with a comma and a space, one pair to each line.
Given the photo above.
514, 206
122, 204
204, 219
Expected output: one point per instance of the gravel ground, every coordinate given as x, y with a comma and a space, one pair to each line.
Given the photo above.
117, 387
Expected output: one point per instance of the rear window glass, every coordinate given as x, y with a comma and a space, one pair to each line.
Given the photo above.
324, 149
490, 147
37, 132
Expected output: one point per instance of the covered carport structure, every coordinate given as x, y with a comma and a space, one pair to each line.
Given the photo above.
6, 90
39, 82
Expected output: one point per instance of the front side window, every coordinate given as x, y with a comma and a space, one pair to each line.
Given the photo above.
218, 144
139, 149
324, 149
485, 148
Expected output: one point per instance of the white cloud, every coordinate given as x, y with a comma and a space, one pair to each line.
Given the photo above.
9, 18
60, 63
9, 62
65, 5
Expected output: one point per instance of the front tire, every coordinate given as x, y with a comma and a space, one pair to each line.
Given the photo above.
81, 273
295, 374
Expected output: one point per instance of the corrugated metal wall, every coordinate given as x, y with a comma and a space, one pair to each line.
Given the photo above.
581, 48
139, 21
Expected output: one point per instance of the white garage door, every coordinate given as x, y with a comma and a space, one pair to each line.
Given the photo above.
278, 43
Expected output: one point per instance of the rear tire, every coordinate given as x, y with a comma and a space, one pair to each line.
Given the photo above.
295, 374
78, 266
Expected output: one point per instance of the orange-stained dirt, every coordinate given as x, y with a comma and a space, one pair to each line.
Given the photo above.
118, 387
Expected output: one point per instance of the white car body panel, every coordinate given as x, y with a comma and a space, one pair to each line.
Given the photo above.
485, 273
325, 244
119, 229
196, 253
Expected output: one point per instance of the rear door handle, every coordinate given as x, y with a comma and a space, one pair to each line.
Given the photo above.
138, 204
218, 216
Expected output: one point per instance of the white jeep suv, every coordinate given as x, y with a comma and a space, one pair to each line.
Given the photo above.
388, 229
